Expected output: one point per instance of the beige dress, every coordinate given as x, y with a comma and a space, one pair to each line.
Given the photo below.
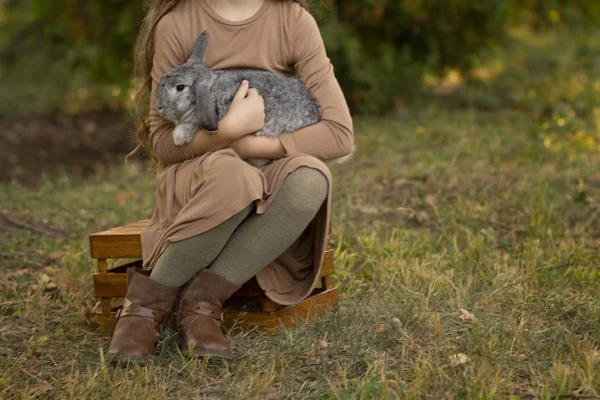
196, 192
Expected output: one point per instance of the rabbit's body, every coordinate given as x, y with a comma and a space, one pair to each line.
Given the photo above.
289, 106
196, 97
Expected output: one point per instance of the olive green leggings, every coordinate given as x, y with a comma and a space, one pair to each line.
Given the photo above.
247, 242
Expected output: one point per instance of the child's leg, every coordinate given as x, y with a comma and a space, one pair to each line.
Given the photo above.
255, 243
181, 260
260, 239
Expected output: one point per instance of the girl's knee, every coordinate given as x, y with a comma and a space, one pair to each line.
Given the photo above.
305, 190
310, 180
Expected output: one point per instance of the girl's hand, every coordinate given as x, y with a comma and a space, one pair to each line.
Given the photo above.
257, 147
245, 115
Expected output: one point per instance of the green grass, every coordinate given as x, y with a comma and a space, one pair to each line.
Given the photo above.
491, 207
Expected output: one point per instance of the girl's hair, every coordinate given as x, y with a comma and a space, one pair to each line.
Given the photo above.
143, 56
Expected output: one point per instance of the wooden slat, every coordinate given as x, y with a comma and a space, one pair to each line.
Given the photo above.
115, 285
327, 267
120, 242
117, 246
110, 285
267, 305
315, 305
306, 310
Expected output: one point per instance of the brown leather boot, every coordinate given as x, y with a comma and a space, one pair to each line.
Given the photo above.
145, 306
198, 316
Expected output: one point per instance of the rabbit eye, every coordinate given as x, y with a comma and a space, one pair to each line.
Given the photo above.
180, 88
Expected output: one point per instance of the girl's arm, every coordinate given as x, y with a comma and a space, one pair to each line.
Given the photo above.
333, 136
246, 114
257, 147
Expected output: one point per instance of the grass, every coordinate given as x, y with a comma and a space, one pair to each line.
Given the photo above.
482, 201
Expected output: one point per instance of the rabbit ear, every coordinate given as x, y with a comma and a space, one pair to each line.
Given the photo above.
199, 54
206, 107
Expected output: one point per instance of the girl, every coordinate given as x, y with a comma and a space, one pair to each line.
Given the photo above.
219, 221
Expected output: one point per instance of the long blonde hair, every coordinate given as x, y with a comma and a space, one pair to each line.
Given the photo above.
143, 57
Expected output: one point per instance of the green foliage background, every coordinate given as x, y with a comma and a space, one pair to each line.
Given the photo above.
68, 55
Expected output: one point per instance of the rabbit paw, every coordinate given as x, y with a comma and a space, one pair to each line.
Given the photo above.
182, 134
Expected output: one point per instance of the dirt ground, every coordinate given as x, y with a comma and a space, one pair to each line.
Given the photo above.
32, 147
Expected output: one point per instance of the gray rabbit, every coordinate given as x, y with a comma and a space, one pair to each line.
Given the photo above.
193, 96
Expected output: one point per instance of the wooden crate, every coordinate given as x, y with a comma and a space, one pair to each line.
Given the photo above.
247, 307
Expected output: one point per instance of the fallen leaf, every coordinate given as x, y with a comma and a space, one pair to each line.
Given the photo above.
122, 197
467, 316
46, 282
380, 329
396, 323
421, 217
50, 287
56, 255
322, 344
89, 316
452, 182
431, 199
489, 234
458, 359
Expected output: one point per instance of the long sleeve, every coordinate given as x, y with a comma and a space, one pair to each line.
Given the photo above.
333, 136
168, 54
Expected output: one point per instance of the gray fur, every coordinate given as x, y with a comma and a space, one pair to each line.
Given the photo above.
207, 94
